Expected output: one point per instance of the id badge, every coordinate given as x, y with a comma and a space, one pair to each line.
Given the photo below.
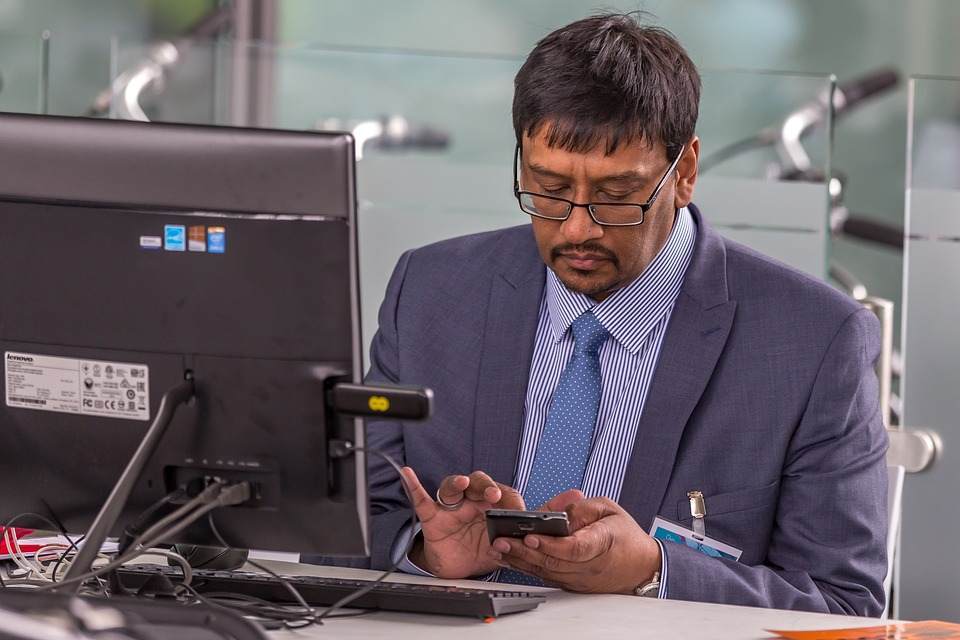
671, 532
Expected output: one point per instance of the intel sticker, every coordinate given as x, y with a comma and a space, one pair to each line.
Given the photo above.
151, 242
175, 237
216, 240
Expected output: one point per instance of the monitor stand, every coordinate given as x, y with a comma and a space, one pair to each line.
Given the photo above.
113, 507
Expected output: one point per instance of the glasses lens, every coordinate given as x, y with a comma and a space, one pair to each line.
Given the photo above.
543, 206
623, 214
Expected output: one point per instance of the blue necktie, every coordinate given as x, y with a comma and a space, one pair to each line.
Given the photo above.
564, 446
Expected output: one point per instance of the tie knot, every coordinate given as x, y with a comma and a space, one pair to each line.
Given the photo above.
588, 334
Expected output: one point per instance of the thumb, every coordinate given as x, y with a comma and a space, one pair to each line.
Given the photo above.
563, 500
423, 503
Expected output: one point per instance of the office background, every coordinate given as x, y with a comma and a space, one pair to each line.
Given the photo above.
443, 69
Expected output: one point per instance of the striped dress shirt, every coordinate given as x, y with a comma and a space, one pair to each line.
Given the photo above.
636, 317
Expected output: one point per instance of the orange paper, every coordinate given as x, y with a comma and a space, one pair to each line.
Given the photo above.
926, 630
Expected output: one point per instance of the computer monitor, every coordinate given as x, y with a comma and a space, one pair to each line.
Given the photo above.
133, 255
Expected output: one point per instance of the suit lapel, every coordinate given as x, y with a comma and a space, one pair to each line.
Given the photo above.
691, 348
698, 331
508, 342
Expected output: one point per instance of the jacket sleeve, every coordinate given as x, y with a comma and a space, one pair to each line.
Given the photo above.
827, 551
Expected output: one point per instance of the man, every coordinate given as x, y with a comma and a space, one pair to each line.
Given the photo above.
617, 354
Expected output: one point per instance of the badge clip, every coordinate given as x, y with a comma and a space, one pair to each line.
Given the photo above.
698, 509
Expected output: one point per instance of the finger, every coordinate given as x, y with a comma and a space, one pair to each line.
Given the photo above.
531, 570
510, 498
583, 545
589, 511
423, 502
452, 489
561, 501
512, 550
482, 488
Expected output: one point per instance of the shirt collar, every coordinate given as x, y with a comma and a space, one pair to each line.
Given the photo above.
632, 312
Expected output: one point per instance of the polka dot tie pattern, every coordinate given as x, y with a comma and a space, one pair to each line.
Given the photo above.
564, 446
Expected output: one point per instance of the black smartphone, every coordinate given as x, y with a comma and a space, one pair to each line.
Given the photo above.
507, 523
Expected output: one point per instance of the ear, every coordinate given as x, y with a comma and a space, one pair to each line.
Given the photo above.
687, 174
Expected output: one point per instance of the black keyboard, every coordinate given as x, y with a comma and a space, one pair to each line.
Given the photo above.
321, 592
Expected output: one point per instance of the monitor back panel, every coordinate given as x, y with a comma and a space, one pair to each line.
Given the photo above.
105, 307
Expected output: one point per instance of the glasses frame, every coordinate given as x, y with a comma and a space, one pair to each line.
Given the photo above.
589, 206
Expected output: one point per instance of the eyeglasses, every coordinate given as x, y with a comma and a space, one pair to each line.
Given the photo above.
608, 214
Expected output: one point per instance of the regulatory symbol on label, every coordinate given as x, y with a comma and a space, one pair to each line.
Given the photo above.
141, 387
121, 373
88, 383
124, 383
131, 406
87, 402
131, 394
134, 373
96, 371
98, 404
108, 371
86, 367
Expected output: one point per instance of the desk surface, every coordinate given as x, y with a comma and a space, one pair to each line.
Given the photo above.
566, 615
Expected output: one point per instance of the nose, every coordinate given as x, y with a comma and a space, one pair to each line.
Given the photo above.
580, 227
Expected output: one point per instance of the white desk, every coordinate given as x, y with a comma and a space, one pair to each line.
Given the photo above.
566, 615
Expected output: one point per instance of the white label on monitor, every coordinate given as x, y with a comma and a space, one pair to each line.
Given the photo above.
68, 385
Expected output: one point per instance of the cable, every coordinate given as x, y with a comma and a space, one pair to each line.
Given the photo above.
20, 516
22, 562
312, 617
311, 614
53, 571
56, 567
130, 532
383, 576
210, 498
231, 494
213, 602
18, 557
63, 531
215, 495
179, 559
204, 498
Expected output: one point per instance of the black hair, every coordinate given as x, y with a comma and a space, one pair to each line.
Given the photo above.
608, 79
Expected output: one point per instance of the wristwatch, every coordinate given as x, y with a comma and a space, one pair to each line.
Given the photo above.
650, 589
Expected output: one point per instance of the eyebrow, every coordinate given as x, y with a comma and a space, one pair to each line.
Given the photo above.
627, 177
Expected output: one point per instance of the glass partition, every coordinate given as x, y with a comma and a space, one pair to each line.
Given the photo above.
24, 73
931, 346
765, 149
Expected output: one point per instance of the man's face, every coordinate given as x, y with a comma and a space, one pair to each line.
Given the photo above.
592, 259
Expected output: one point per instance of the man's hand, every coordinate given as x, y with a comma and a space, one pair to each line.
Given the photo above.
455, 543
607, 551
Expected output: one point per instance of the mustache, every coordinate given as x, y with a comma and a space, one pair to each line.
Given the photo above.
588, 247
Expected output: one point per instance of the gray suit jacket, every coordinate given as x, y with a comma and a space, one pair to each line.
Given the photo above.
764, 399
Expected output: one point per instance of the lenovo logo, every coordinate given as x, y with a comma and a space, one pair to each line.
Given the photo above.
11, 356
